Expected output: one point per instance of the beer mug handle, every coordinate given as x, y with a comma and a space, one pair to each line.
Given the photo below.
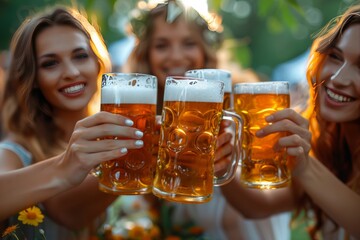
96, 171
236, 155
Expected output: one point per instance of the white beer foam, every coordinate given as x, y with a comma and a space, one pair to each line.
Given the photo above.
213, 74
202, 92
262, 88
125, 94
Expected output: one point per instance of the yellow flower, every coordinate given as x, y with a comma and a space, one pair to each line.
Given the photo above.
9, 230
31, 216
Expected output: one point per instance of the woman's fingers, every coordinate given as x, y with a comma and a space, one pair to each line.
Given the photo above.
105, 124
298, 140
106, 145
284, 125
98, 157
223, 138
221, 166
223, 152
109, 130
289, 114
104, 117
295, 142
103, 134
286, 120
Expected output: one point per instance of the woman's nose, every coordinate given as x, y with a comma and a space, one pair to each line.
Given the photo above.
176, 53
70, 70
344, 75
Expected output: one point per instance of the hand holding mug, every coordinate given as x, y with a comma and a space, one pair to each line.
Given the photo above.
298, 141
132, 95
85, 149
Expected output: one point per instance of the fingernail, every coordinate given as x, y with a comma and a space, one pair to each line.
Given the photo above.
269, 118
123, 150
139, 133
128, 122
139, 143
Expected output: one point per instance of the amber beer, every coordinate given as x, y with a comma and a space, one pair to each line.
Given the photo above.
191, 117
218, 75
133, 96
262, 167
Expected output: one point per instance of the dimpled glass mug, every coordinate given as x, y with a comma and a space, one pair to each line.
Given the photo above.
132, 95
191, 116
262, 167
219, 75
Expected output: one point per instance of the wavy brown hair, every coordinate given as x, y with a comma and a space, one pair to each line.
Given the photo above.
139, 58
26, 114
329, 144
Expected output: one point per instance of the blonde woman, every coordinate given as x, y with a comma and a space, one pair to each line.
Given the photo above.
57, 58
169, 41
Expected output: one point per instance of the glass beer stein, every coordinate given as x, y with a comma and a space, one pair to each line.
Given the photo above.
132, 95
219, 75
261, 166
192, 111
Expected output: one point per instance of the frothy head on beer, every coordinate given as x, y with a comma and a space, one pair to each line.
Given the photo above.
213, 74
262, 88
128, 88
188, 89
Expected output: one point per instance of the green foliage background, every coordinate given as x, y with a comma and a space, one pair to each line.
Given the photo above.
273, 32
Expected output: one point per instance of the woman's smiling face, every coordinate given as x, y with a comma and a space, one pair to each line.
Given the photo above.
67, 68
174, 49
339, 96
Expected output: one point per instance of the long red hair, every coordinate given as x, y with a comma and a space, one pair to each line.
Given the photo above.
329, 144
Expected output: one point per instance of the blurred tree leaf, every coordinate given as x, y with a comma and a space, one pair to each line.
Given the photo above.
296, 6
274, 24
264, 7
280, 14
287, 16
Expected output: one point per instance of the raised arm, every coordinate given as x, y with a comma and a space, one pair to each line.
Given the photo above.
33, 184
27, 186
79, 206
335, 198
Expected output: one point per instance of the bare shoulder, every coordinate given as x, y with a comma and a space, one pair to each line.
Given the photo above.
9, 159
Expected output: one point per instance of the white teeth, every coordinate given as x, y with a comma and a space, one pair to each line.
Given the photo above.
337, 97
74, 89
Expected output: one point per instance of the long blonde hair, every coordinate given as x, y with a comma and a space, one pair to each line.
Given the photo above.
27, 115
